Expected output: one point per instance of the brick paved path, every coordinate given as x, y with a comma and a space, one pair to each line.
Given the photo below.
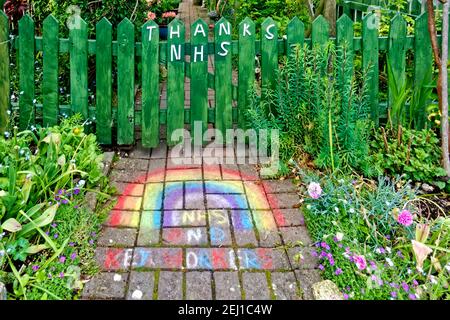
201, 231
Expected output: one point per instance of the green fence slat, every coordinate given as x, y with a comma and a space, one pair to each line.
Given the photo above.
150, 85
295, 34
344, 43
423, 64
26, 72
223, 76
269, 57
78, 66
50, 87
397, 52
4, 71
125, 82
175, 80
370, 62
199, 77
246, 77
320, 31
103, 70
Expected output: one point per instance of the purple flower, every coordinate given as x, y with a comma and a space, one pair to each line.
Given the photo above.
331, 260
348, 288
321, 267
55, 236
388, 237
93, 234
412, 296
405, 218
91, 242
346, 296
35, 268
73, 256
57, 198
71, 244
338, 271
49, 276
76, 191
340, 245
360, 262
54, 225
62, 259
400, 254
415, 283
314, 190
60, 192
405, 286
373, 265
75, 207
314, 253
65, 201
323, 254
394, 294
323, 244
61, 275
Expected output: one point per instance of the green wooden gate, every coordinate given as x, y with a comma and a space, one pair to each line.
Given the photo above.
231, 97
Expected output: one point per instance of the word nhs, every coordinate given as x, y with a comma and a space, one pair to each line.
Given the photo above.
199, 54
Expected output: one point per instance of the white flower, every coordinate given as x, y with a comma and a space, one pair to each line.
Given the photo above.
339, 236
351, 210
389, 261
433, 279
388, 249
447, 267
336, 209
81, 183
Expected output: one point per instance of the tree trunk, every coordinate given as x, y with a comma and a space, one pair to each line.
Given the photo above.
442, 83
444, 88
329, 13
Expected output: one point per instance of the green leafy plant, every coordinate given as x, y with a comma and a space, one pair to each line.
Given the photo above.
319, 108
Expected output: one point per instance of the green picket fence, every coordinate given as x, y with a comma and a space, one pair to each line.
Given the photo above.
231, 100
357, 9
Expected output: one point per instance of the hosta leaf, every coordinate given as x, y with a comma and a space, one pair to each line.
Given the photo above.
11, 225
37, 248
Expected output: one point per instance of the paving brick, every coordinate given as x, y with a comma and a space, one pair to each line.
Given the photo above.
227, 285
219, 228
244, 233
158, 258
117, 237
141, 285
184, 175
255, 286
198, 285
279, 186
159, 152
149, 231
128, 176
226, 201
170, 286
183, 162
284, 286
301, 258
173, 196
131, 164
306, 279
184, 218
289, 217
295, 234
230, 172
194, 195
210, 259
129, 189
153, 196
128, 203
139, 152
263, 259
156, 171
224, 187
212, 172
113, 259
123, 219
248, 172
106, 285
267, 228
256, 197
283, 200
185, 236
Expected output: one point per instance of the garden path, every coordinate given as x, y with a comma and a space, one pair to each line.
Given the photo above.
201, 229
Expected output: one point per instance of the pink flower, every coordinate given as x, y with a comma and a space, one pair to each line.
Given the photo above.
314, 190
151, 16
405, 218
360, 262
169, 14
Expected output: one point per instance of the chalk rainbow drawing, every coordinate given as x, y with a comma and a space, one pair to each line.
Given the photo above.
240, 192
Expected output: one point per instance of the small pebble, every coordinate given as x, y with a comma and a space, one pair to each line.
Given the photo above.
137, 295
117, 277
